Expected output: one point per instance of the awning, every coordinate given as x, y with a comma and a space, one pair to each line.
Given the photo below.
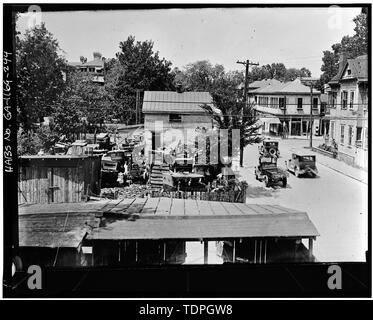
270, 120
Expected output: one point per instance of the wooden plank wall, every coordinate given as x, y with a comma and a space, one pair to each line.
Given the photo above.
69, 184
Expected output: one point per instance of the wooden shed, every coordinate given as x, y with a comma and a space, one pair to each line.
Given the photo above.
58, 178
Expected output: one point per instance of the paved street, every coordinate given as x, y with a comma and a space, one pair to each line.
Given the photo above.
335, 202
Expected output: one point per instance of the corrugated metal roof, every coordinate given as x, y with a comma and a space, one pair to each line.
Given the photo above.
249, 226
174, 102
52, 230
165, 218
158, 218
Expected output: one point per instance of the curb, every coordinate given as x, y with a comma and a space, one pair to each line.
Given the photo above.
341, 172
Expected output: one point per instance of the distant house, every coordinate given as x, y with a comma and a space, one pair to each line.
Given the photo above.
95, 67
285, 107
348, 105
168, 115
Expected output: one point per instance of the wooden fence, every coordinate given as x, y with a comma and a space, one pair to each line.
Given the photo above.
226, 196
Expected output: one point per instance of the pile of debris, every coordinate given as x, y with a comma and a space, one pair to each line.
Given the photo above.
132, 191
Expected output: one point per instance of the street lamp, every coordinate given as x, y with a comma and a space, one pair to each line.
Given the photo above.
310, 82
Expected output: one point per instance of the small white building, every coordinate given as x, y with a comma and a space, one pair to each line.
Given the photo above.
174, 117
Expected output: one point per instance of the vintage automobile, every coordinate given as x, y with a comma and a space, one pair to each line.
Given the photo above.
183, 165
183, 181
269, 148
302, 164
269, 172
117, 161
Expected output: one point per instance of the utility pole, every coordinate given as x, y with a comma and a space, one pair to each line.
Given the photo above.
311, 115
138, 113
247, 64
308, 81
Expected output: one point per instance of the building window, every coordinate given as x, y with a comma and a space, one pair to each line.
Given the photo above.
349, 72
352, 95
315, 103
282, 103
332, 129
342, 134
359, 137
334, 99
175, 118
350, 134
300, 103
344, 95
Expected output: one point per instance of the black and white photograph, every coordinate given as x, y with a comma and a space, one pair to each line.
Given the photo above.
173, 150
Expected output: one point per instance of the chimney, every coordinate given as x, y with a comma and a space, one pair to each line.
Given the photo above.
97, 55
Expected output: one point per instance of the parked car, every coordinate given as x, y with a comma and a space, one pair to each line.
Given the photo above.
302, 164
269, 148
269, 172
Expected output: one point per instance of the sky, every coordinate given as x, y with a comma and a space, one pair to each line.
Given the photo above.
296, 37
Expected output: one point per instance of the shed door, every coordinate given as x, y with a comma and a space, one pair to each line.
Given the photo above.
65, 184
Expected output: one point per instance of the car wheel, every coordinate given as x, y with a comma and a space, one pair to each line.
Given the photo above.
296, 172
284, 182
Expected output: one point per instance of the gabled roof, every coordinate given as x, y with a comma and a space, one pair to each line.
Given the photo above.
297, 86
264, 83
93, 63
291, 87
175, 102
270, 88
358, 67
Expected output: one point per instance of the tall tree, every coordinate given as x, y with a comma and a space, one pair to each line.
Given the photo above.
84, 106
230, 113
140, 67
350, 46
277, 71
199, 75
39, 68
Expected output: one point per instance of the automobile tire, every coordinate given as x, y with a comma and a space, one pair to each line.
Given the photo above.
284, 182
272, 151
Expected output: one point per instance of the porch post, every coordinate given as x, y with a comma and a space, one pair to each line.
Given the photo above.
164, 251
310, 248
234, 251
205, 252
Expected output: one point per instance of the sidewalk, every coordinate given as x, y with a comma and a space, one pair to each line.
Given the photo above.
342, 167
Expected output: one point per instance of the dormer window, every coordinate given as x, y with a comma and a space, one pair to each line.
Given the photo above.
349, 72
